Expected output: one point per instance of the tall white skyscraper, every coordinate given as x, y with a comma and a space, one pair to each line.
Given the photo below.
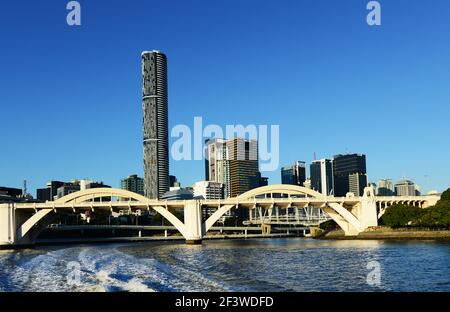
216, 163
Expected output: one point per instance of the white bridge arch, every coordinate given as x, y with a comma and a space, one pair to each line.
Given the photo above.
294, 195
126, 197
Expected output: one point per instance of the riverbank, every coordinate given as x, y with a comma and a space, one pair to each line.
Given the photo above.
388, 233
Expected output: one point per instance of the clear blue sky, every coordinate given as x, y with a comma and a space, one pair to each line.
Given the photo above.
70, 100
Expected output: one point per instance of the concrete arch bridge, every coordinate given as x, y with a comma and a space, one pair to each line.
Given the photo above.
21, 223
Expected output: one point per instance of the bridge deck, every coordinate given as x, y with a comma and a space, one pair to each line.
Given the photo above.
248, 203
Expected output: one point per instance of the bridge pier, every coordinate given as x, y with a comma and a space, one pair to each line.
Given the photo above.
7, 226
194, 228
366, 211
15, 230
19, 228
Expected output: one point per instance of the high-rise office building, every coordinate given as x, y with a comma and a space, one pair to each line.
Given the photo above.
50, 192
417, 190
172, 181
234, 163
263, 181
208, 190
9, 191
405, 188
217, 163
295, 174
321, 172
133, 184
155, 124
243, 165
80, 185
178, 194
215, 150
356, 183
13, 195
385, 187
343, 167
67, 188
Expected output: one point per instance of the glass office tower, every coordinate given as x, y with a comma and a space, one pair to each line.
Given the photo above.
343, 167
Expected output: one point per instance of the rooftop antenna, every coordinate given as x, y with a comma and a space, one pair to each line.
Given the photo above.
24, 187
315, 156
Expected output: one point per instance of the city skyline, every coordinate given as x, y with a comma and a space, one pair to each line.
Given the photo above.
106, 98
214, 150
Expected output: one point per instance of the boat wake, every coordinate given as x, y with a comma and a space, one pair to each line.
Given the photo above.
94, 269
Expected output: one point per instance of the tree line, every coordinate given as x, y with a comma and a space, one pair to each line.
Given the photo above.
436, 217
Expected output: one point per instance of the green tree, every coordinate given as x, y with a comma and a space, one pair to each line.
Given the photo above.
402, 215
437, 216
446, 195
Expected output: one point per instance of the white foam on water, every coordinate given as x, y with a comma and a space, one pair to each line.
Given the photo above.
101, 269
136, 285
40, 273
108, 266
178, 277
